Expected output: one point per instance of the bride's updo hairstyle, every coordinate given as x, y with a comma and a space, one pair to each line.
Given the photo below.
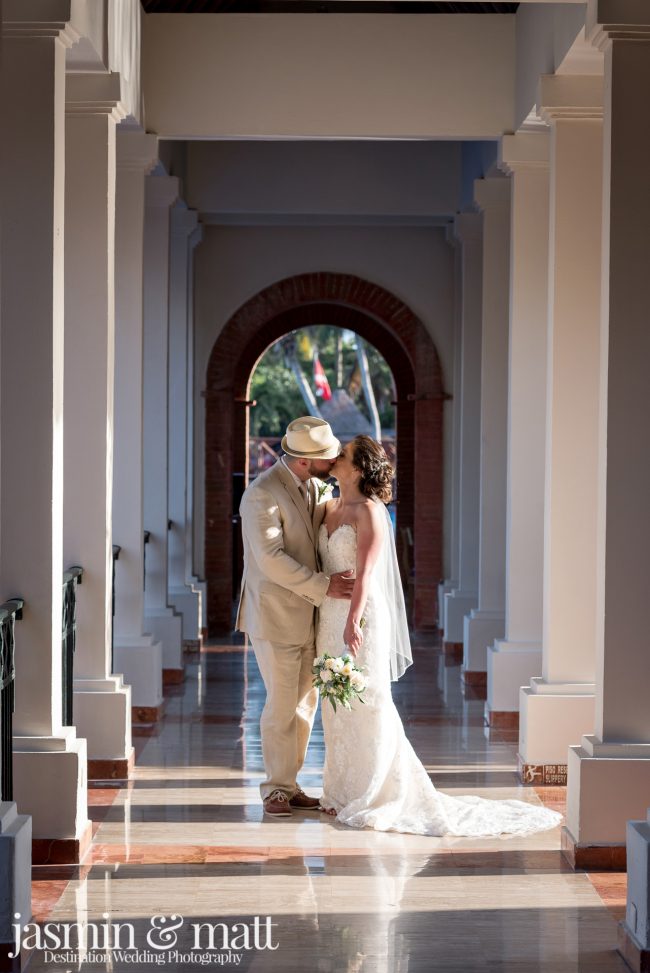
369, 458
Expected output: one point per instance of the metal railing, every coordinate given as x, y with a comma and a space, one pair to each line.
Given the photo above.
116, 557
71, 578
10, 612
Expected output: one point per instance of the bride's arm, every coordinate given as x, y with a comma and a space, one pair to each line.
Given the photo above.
369, 540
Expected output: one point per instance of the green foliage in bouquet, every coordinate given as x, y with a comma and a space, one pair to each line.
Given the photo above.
338, 679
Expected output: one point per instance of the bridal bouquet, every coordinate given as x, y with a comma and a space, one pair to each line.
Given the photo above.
338, 679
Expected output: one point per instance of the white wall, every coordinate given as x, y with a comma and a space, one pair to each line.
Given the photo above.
334, 76
344, 179
234, 263
545, 32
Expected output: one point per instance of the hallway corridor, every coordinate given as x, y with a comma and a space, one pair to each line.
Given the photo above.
186, 835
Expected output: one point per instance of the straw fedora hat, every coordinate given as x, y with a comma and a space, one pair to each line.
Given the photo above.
311, 438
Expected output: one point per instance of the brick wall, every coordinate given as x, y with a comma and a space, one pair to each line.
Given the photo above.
388, 324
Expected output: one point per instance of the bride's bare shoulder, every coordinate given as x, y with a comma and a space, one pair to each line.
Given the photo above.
368, 515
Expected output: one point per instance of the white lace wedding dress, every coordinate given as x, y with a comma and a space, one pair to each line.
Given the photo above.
372, 777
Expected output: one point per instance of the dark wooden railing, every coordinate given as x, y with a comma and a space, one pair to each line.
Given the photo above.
10, 612
71, 579
116, 557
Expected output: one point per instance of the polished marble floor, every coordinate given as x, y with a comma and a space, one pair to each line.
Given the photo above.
185, 840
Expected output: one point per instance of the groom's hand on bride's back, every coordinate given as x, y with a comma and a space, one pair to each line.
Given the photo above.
341, 585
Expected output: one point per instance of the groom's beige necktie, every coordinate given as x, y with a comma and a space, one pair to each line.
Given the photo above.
304, 491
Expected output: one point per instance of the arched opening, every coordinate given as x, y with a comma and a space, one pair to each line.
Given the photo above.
387, 323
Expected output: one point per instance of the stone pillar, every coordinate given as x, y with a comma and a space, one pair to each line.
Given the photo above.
136, 654
468, 230
165, 624
184, 598
614, 760
191, 578
102, 704
49, 759
557, 708
514, 660
634, 931
486, 623
452, 495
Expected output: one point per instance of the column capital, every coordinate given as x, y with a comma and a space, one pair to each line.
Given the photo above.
612, 20
184, 220
92, 93
196, 236
492, 193
136, 150
41, 18
524, 150
577, 96
468, 227
161, 191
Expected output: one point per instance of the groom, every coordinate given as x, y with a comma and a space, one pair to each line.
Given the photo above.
282, 586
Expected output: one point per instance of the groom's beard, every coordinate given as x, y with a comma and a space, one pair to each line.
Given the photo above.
320, 469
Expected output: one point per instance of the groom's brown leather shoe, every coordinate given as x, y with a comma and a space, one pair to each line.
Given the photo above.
304, 803
277, 804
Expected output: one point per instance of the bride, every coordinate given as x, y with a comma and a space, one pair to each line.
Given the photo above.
372, 777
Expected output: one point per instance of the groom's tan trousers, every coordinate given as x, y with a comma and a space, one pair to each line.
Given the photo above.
289, 711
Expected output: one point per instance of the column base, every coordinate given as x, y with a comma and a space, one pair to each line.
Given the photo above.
552, 717
510, 665
146, 715
173, 677
499, 719
634, 954
592, 857
167, 628
480, 629
444, 588
111, 768
634, 932
453, 651
50, 784
62, 851
15, 874
102, 714
474, 684
139, 659
608, 786
188, 604
457, 604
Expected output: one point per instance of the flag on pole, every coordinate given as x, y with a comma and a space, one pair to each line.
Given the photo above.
320, 380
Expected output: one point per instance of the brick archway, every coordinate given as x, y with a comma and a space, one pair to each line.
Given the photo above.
387, 323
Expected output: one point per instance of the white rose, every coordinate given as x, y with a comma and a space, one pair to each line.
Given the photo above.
325, 675
337, 664
329, 664
357, 682
347, 669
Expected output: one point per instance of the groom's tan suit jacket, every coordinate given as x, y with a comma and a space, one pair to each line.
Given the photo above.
282, 584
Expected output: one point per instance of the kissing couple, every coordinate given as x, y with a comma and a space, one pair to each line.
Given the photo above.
315, 567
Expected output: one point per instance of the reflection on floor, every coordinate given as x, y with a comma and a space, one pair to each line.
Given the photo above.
186, 837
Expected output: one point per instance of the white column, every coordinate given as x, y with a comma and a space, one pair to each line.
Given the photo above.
452, 499
468, 230
557, 708
191, 578
513, 660
49, 758
161, 193
182, 596
136, 654
102, 704
615, 759
634, 932
486, 623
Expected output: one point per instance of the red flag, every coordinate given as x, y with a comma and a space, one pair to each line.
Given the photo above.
320, 379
